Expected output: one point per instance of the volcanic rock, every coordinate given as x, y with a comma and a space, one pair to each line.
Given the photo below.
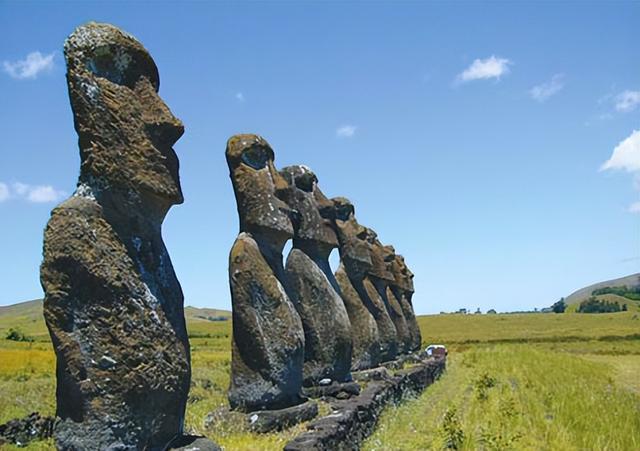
381, 277
113, 304
402, 288
355, 262
275, 420
22, 431
268, 339
314, 290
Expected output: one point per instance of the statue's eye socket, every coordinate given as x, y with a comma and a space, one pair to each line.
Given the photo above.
256, 157
343, 213
306, 181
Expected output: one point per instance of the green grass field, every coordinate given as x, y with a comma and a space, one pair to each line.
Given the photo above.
526, 381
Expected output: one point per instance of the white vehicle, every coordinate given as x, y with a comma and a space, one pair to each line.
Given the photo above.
436, 351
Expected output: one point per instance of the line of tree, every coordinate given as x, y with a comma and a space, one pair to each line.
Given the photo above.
593, 305
624, 291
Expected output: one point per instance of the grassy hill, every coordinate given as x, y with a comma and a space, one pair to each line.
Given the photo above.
584, 293
27, 317
632, 306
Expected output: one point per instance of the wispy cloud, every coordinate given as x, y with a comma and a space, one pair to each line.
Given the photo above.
542, 92
30, 67
484, 69
346, 131
44, 193
30, 193
634, 207
626, 155
4, 192
239, 97
627, 101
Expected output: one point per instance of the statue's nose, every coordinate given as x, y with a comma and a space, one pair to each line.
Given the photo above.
166, 131
327, 208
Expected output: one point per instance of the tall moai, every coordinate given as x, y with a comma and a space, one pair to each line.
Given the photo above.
268, 338
355, 263
314, 291
113, 304
365, 287
402, 288
381, 276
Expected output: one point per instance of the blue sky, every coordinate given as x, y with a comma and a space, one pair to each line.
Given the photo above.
470, 136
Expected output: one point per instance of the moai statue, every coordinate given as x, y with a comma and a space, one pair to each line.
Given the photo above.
381, 277
355, 262
268, 339
348, 229
313, 288
402, 288
113, 304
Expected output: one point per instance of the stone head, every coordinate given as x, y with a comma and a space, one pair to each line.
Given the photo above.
402, 279
354, 249
408, 275
258, 187
315, 213
379, 266
126, 132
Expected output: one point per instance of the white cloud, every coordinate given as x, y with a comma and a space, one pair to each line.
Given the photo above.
4, 192
543, 91
44, 193
634, 207
626, 155
239, 97
346, 131
30, 67
627, 101
492, 67
30, 193
21, 188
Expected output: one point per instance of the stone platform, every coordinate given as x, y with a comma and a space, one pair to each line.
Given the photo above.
353, 420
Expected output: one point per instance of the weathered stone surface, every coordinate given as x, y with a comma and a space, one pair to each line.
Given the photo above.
381, 277
353, 420
275, 420
402, 288
313, 288
113, 304
340, 390
372, 374
369, 344
22, 431
268, 339
389, 344
193, 443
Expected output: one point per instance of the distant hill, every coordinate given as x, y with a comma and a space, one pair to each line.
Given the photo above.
582, 294
27, 316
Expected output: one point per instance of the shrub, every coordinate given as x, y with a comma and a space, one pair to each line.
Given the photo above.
453, 433
482, 385
17, 335
593, 305
559, 307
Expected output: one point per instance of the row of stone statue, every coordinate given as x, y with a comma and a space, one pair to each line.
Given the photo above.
298, 324
113, 304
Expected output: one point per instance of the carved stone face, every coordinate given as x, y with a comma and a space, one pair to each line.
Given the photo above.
258, 187
354, 249
126, 132
315, 211
408, 275
401, 275
379, 267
